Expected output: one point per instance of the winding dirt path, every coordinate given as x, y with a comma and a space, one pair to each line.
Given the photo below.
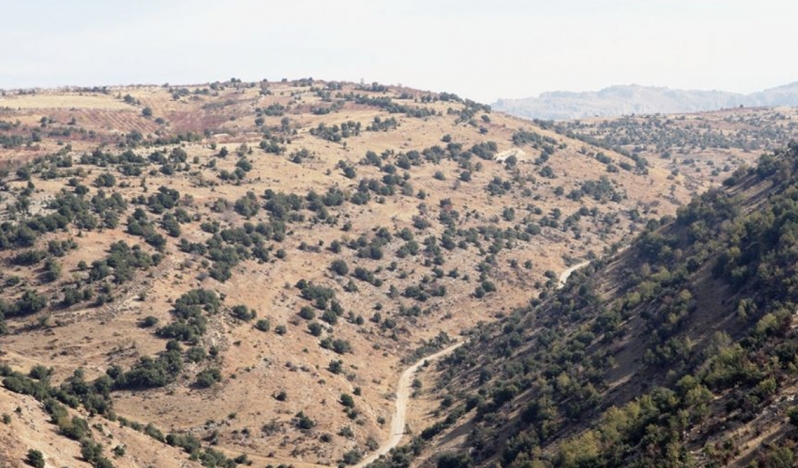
567, 273
403, 392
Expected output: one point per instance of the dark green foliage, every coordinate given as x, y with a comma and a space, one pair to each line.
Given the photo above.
28, 258
336, 366
122, 262
188, 310
338, 345
52, 270
151, 372
39, 372
263, 325
318, 294
452, 460
148, 321
330, 317
92, 453
599, 190
171, 225
347, 400
339, 267
307, 313
553, 360
380, 124
352, 457
336, 133
275, 110
241, 312
301, 421
208, 377
75, 429
315, 328
393, 107
249, 205
35, 458
29, 303
105, 180
547, 172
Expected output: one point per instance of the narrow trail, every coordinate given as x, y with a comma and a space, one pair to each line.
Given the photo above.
567, 274
403, 392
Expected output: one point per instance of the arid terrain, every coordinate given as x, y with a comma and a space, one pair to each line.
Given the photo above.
677, 351
238, 272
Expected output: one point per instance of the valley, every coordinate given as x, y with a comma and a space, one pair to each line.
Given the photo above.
236, 273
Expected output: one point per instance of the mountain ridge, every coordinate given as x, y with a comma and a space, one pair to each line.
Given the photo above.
619, 100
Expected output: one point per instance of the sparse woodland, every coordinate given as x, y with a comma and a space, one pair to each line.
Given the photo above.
239, 272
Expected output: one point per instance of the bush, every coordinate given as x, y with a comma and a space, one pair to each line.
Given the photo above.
307, 313
352, 457
148, 321
35, 459
30, 303
263, 325
315, 328
339, 267
242, 313
304, 422
248, 205
792, 413
347, 400
336, 366
451, 460
105, 180
208, 377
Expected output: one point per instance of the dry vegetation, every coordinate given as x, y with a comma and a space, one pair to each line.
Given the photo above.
359, 227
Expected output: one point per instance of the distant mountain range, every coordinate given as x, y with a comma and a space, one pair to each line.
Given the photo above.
635, 99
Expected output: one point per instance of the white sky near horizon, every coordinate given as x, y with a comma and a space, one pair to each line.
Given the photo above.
481, 49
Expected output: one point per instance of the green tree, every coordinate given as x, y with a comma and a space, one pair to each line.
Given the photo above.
339, 267
347, 400
35, 459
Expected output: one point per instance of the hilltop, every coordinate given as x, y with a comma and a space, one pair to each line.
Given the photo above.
635, 99
234, 272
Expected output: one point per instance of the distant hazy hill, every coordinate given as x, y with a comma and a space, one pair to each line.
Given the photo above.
635, 99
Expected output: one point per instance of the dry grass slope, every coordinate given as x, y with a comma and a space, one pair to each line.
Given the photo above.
437, 236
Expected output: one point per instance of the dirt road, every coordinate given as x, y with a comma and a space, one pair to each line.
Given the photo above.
403, 393
567, 273
404, 390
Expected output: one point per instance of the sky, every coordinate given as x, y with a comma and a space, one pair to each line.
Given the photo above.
480, 49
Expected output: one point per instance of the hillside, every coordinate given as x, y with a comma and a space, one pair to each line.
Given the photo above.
243, 270
678, 351
635, 99
690, 145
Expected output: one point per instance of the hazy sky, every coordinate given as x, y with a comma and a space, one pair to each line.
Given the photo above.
482, 49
